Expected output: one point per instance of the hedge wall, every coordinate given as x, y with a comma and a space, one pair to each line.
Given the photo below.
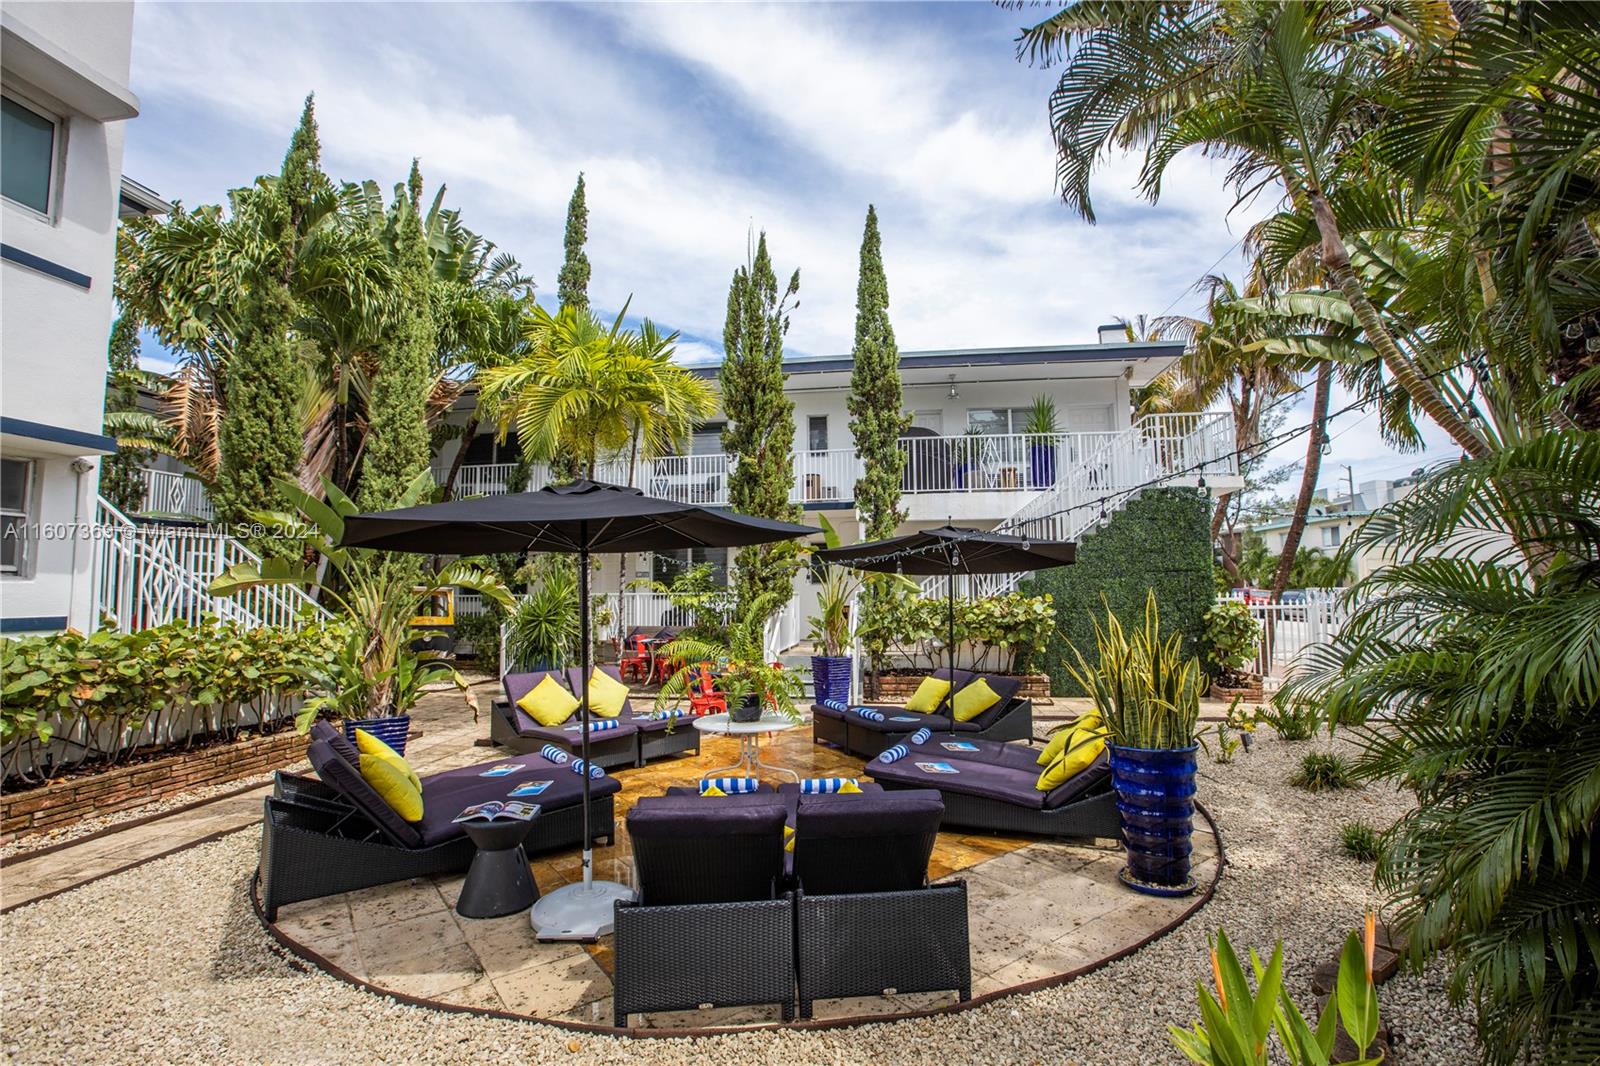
1160, 540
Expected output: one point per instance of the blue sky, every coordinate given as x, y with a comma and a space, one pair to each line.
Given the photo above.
693, 123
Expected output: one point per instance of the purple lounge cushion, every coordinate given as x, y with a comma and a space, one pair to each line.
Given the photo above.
1007, 689
874, 842
574, 681
1095, 777
346, 780
519, 685
822, 711
569, 734
679, 817
446, 794
1003, 783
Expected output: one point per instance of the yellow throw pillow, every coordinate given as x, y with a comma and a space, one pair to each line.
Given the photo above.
548, 704
367, 744
712, 790
974, 700
388, 781
606, 694
849, 787
1061, 737
1080, 752
788, 836
929, 695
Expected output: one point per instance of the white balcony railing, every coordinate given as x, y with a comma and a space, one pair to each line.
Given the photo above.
173, 495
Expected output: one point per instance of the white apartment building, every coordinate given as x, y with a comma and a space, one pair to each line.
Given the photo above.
64, 76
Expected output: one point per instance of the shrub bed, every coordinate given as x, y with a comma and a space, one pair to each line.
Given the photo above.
897, 686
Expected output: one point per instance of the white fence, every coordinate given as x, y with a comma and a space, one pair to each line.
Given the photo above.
146, 576
1314, 616
172, 494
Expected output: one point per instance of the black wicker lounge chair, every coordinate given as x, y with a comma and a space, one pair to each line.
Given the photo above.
995, 787
333, 833
657, 736
867, 734
712, 924
867, 922
513, 728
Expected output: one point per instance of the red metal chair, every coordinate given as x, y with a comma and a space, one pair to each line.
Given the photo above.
703, 697
640, 664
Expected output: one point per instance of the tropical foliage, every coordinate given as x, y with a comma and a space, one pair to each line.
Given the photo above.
1230, 638
837, 587
1147, 693
120, 483
1481, 651
739, 664
1012, 628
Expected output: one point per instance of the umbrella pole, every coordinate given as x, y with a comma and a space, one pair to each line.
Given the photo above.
583, 663
951, 633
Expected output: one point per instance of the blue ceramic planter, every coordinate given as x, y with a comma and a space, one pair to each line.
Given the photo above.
391, 730
830, 677
1155, 795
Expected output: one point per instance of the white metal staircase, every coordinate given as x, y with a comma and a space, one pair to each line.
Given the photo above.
146, 576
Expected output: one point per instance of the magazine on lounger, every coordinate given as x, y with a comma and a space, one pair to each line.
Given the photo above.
498, 810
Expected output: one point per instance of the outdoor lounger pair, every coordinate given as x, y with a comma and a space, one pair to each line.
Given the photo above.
637, 737
991, 785
333, 832
728, 917
865, 735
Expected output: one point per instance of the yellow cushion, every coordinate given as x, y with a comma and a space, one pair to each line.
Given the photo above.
1080, 752
367, 744
788, 834
606, 694
548, 703
1061, 737
973, 700
929, 695
712, 790
848, 787
388, 781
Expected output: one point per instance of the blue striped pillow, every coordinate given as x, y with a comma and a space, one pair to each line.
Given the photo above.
899, 751
819, 786
870, 714
730, 785
602, 724
581, 767
921, 736
554, 754
837, 705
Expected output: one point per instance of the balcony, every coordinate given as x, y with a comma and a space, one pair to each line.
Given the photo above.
172, 495
935, 466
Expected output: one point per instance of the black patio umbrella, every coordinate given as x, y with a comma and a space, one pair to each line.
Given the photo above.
952, 550
581, 518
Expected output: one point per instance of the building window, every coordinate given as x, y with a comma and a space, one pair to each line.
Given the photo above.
996, 421
666, 565
707, 440
817, 433
1330, 536
16, 494
27, 155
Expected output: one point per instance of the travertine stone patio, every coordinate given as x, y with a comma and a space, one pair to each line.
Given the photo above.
1038, 909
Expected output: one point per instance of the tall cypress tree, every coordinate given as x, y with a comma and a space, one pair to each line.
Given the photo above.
398, 447
259, 438
119, 472
877, 421
572, 284
760, 435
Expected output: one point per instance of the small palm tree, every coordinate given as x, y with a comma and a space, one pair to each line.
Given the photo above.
742, 670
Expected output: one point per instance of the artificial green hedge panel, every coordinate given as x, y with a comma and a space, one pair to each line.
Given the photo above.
1162, 540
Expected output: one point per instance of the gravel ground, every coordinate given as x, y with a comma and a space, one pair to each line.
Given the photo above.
98, 974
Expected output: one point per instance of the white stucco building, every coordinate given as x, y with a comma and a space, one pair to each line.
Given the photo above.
64, 75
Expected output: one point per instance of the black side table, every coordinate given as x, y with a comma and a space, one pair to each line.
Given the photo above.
499, 881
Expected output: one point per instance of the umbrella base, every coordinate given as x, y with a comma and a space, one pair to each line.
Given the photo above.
578, 912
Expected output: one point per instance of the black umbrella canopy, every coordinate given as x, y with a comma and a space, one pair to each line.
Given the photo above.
952, 549
585, 516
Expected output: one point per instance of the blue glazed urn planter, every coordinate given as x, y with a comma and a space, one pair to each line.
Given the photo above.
391, 729
1155, 795
830, 677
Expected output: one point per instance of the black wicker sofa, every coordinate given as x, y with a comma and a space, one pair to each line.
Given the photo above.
639, 736
884, 725
333, 833
995, 787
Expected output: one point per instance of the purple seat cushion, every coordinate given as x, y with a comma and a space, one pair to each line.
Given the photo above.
446, 794
826, 712
693, 791
338, 774
992, 752
518, 686
694, 849
321, 730
1004, 783
874, 842
914, 721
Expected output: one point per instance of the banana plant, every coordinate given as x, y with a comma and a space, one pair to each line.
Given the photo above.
377, 592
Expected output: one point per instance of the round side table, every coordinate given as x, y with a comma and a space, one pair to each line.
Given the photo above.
498, 881
749, 734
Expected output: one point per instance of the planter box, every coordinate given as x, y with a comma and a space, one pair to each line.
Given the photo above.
897, 688
71, 799
1251, 693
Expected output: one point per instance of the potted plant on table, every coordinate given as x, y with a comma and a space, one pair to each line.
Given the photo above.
748, 683
830, 626
1148, 699
1040, 426
1230, 639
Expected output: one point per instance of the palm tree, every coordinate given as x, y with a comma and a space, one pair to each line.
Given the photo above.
1290, 92
591, 391
1485, 667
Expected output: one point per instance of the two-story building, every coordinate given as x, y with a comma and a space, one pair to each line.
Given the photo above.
64, 81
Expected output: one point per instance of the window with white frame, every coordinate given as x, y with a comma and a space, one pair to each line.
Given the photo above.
817, 433
16, 497
28, 144
997, 421
1330, 536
